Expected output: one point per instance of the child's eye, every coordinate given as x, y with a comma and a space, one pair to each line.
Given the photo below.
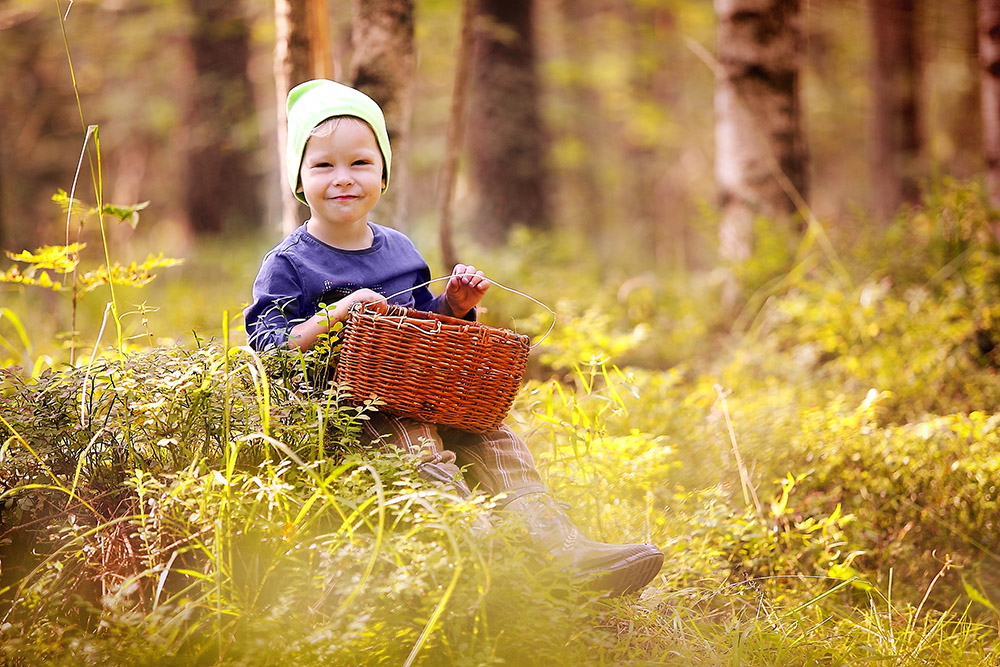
360, 163
321, 165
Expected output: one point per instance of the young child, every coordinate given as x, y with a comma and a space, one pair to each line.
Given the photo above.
339, 162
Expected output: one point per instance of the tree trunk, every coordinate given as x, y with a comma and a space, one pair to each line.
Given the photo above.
39, 130
383, 67
453, 146
297, 58
895, 118
656, 198
584, 129
761, 159
506, 138
222, 183
989, 59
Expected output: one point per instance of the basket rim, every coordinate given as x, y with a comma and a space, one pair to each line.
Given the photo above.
402, 313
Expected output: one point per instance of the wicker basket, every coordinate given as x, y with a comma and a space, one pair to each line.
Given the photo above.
431, 367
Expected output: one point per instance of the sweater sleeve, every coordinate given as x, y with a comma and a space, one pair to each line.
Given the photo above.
276, 306
440, 305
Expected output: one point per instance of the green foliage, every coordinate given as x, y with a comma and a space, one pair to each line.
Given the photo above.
602, 312
921, 325
922, 492
184, 514
823, 484
265, 548
74, 207
63, 261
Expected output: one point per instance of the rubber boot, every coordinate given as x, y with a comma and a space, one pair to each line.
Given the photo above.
615, 569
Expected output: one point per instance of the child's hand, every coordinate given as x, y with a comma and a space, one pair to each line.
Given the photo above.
338, 312
465, 289
303, 335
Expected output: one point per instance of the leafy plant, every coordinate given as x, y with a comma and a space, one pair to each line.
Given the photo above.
56, 268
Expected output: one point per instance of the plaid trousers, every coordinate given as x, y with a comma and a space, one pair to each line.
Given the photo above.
495, 461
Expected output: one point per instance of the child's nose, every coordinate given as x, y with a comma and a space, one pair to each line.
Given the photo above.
342, 176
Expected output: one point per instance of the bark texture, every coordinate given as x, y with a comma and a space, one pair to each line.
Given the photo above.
989, 59
507, 144
299, 25
761, 157
453, 145
896, 140
222, 184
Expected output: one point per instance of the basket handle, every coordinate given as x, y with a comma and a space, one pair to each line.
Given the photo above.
501, 286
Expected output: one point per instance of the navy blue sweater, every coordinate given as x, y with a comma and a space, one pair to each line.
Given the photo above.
302, 272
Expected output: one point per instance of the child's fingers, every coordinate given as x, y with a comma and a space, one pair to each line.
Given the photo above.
479, 282
468, 275
366, 296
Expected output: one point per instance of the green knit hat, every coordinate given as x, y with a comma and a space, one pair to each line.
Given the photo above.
312, 102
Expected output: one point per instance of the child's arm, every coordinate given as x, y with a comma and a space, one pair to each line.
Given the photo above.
465, 289
304, 335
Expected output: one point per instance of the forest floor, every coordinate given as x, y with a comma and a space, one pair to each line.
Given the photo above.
819, 467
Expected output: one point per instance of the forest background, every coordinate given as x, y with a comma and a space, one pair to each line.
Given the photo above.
775, 353
622, 116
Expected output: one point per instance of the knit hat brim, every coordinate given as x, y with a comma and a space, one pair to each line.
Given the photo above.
312, 102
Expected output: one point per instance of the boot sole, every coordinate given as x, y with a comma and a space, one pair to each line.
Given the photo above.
628, 575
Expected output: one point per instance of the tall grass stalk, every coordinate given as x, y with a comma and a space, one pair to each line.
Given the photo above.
98, 182
226, 423
749, 492
57, 484
22, 334
99, 195
261, 384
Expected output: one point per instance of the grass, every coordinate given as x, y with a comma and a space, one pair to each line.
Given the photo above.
189, 502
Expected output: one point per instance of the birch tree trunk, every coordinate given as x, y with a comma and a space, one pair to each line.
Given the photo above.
761, 156
895, 113
989, 59
508, 149
383, 67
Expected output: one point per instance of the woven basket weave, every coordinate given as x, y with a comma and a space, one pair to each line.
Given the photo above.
431, 367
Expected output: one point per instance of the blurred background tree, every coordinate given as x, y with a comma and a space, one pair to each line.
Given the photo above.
301, 52
221, 177
509, 170
761, 165
989, 57
590, 117
896, 134
383, 65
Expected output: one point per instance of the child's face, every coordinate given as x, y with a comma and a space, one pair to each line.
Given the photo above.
341, 174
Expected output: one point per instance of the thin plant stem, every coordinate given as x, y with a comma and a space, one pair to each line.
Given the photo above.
99, 194
749, 493
225, 350
69, 214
